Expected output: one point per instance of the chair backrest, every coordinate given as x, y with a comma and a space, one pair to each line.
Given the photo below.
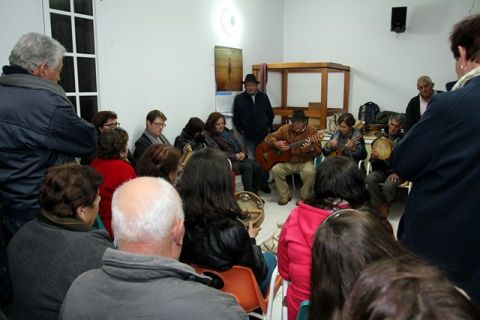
303, 310
240, 282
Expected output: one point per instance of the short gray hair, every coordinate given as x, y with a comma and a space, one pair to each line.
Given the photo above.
34, 49
426, 79
398, 117
147, 211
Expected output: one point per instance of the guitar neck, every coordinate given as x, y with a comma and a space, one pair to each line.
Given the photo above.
300, 142
296, 143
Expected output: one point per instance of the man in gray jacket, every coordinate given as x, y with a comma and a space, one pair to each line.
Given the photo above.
143, 279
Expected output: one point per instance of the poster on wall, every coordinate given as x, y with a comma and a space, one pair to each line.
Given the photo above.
228, 77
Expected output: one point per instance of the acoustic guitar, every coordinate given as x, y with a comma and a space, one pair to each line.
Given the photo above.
340, 150
267, 156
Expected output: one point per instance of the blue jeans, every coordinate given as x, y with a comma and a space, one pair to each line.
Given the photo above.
271, 261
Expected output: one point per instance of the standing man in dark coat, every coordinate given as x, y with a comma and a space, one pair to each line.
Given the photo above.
38, 125
252, 115
440, 156
418, 104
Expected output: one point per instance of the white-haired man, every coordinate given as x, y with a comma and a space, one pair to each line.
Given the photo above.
38, 125
143, 279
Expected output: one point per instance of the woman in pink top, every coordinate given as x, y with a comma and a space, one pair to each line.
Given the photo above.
111, 163
339, 184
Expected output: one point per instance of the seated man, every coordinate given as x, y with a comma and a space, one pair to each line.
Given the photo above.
346, 141
301, 157
382, 196
143, 279
418, 104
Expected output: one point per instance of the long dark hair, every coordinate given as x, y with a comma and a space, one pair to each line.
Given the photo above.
339, 178
206, 190
344, 244
403, 289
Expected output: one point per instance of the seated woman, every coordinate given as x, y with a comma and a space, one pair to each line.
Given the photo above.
252, 174
339, 184
191, 136
111, 163
344, 244
104, 120
47, 254
405, 288
346, 141
159, 160
214, 236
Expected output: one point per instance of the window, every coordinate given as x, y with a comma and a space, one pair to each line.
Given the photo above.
72, 23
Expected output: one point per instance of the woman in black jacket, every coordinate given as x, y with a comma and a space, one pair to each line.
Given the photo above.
214, 236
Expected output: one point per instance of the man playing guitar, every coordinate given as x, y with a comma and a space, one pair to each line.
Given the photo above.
346, 141
301, 158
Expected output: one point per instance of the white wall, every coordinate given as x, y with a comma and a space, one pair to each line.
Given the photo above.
160, 54
384, 65
17, 18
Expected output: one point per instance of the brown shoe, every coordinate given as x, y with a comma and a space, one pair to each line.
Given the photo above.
283, 201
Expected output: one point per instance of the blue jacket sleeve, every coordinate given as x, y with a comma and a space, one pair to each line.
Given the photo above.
70, 134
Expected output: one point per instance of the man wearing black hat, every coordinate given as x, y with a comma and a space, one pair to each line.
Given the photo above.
303, 143
252, 114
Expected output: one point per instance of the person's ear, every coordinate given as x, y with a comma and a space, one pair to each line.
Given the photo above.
463, 55
40, 71
178, 232
80, 213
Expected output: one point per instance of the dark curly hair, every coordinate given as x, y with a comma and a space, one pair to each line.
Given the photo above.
111, 143
466, 33
159, 160
67, 187
100, 118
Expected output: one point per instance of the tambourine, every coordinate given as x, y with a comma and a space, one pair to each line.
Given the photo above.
251, 206
383, 147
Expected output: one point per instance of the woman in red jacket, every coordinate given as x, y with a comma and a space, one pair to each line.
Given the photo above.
111, 163
339, 184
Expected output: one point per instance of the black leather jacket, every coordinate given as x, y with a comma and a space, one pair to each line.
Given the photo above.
221, 249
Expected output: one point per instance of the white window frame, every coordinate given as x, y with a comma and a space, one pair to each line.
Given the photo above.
48, 31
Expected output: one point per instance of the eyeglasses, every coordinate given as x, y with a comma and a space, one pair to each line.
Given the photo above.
112, 125
159, 124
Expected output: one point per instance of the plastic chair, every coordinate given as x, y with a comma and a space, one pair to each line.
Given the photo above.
240, 282
303, 310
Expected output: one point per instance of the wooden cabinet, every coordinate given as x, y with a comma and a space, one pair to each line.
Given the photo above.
318, 111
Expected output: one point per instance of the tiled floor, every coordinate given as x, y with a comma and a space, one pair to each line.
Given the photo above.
275, 214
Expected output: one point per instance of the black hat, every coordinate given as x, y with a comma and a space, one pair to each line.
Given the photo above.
250, 78
299, 116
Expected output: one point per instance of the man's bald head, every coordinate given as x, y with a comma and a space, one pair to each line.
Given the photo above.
145, 209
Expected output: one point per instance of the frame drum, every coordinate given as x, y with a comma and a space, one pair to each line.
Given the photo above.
383, 147
251, 206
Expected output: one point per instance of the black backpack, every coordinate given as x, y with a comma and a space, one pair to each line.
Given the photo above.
368, 111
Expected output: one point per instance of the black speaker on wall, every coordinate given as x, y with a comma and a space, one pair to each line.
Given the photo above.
399, 18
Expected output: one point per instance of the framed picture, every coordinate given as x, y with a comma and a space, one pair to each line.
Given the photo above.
228, 69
